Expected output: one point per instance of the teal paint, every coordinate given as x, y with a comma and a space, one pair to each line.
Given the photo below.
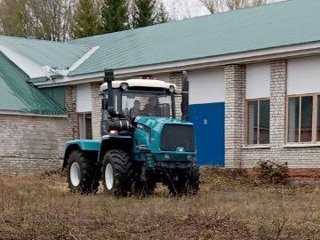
57, 55
18, 95
148, 134
57, 94
276, 25
85, 144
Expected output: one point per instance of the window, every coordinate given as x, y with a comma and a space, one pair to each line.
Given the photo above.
303, 119
258, 121
144, 103
85, 126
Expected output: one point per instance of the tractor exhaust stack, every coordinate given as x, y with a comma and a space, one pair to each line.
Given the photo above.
185, 97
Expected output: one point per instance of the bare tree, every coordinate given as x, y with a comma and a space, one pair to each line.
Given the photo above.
44, 19
214, 6
258, 3
237, 4
50, 19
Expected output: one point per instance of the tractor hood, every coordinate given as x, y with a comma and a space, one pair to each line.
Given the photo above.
158, 122
164, 135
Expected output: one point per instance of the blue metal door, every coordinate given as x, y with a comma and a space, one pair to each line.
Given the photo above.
208, 120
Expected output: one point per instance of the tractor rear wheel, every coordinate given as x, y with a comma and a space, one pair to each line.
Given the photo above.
82, 173
117, 173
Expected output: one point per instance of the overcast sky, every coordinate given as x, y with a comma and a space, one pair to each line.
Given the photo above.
185, 8
179, 9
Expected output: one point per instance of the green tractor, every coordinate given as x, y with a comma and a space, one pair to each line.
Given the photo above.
142, 143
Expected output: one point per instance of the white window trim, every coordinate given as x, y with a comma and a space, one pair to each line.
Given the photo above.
315, 107
257, 145
82, 130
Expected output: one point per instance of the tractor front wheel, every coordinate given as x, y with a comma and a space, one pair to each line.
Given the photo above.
185, 183
194, 180
117, 173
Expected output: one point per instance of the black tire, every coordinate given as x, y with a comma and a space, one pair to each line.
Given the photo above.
186, 183
82, 173
178, 185
194, 180
117, 173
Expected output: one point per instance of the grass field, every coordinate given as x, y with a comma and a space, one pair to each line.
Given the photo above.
43, 208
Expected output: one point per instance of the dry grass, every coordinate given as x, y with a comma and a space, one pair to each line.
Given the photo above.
43, 208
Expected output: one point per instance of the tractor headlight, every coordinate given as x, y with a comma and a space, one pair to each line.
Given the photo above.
113, 133
192, 158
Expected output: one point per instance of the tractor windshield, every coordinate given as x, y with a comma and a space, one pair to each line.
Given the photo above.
140, 103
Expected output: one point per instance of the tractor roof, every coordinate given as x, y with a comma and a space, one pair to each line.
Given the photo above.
146, 83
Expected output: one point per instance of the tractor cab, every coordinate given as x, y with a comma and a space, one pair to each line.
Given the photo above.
133, 98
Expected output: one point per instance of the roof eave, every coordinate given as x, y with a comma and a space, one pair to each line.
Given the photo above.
298, 50
30, 114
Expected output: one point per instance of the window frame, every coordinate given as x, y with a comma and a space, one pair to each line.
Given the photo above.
315, 109
83, 115
258, 100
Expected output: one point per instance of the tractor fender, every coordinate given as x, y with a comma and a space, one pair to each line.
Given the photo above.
85, 145
114, 142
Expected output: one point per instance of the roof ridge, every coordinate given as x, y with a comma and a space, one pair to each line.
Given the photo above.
69, 42
57, 55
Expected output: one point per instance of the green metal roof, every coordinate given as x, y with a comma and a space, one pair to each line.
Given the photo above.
17, 95
54, 54
270, 26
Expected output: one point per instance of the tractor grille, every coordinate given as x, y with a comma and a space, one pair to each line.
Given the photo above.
177, 138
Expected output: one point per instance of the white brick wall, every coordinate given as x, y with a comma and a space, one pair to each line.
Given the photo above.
32, 145
237, 155
35, 144
70, 96
234, 114
96, 110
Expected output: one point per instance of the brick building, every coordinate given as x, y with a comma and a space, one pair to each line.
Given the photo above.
254, 80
